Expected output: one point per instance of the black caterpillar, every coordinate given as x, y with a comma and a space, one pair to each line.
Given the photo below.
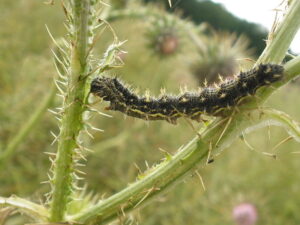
209, 100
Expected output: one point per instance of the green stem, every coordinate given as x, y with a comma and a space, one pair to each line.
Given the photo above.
219, 135
174, 170
73, 108
279, 42
38, 212
27, 127
282, 119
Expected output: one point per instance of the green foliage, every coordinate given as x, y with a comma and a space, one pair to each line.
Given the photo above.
239, 175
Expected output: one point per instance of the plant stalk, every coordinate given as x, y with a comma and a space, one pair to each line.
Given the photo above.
278, 42
215, 138
173, 170
38, 212
73, 109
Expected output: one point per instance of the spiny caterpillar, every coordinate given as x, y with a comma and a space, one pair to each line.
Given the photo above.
209, 100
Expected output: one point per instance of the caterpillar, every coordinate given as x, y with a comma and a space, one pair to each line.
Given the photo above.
209, 100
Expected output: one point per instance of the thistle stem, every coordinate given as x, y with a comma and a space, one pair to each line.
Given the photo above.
175, 168
279, 41
38, 212
73, 108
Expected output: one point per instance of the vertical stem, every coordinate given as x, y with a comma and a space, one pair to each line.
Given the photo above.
73, 109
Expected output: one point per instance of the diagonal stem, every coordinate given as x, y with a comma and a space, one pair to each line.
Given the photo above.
173, 170
193, 154
31, 209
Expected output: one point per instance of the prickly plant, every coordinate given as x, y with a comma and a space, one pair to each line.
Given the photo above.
76, 67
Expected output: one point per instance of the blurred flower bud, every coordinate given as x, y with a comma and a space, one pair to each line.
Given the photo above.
218, 55
167, 44
245, 214
163, 35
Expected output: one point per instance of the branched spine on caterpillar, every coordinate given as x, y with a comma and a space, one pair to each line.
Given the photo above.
209, 101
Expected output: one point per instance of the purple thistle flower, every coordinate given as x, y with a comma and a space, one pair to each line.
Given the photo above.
245, 214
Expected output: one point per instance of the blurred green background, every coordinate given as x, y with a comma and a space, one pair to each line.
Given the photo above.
238, 175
